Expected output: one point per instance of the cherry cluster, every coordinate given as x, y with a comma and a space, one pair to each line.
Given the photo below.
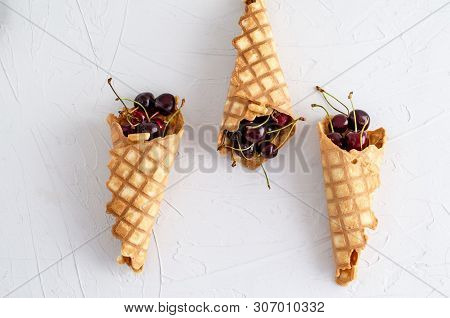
256, 138
348, 130
149, 114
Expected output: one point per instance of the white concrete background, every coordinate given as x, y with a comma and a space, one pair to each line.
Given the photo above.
220, 234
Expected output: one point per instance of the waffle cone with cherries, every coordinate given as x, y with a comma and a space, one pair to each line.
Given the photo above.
139, 174
145, 142
257, 87
350, 179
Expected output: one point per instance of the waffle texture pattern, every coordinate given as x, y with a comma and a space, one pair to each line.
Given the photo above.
257, 85
350, 179
139, 173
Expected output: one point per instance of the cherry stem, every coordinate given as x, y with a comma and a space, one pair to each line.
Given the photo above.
241, 150
325, 93
288, 125
238, 149
129, 115
260, 125
361, 135
110, 85
350, 97
274, 137
131, 124
234, 163
328, 115
173, 116
266, 176
292, 125
286, 139
139, 104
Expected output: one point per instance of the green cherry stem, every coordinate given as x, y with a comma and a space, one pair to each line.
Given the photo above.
234, 163
286, 139
154, 115
262, 124
274, 137
289, 125
129, 121
242, 151
331, 105
325, 94
361, 135
266, 176
350, 97
139, 104
110, 85
127, 117
328, 115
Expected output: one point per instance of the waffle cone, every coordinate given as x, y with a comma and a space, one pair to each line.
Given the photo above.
257, 85
350, 179
139, 173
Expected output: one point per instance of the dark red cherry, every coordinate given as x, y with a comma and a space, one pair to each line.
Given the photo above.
261, 120
361, 119
354, 140
245, 150
127, 130
243, 123
152, 128
281, 119
340, 123
147, 100
160, 122
268, 150
165, 104
254, 135
337, 139
233, 136
243, 127
137, 117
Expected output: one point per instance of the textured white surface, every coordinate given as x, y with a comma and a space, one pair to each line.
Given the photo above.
220, 234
